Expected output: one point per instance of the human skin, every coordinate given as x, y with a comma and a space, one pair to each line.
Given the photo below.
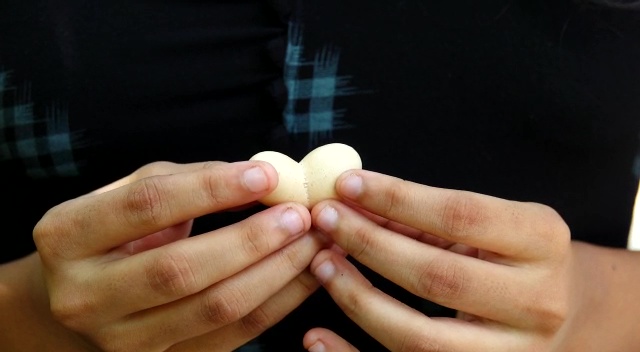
509, 268
116, 269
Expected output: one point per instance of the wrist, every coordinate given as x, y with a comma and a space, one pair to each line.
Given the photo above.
604, 305
26, 320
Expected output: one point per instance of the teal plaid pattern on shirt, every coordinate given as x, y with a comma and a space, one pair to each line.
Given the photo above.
312, 88
43, 145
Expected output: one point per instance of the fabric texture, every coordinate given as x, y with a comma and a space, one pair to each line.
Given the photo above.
43, 144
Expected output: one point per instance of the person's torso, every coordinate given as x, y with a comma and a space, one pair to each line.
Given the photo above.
531, 101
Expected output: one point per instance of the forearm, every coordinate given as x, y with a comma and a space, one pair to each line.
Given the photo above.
26, 323
606, 314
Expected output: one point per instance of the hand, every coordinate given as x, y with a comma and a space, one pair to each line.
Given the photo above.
506, 266
122, 273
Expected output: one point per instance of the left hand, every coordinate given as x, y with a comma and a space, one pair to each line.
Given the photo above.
117, 270
505, 266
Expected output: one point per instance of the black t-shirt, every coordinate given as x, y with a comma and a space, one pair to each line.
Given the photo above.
525, 100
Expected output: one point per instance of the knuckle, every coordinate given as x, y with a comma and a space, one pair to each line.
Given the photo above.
214, 183
221, 308
549, 316
552, 227
255, 241
307, 283
46, 233
51, 232
47, 227
358, 301
145, 202
360, 242
395, 199
461, 212
172, 275
72, 311
293, 258
257, 321
441, 280
550, 319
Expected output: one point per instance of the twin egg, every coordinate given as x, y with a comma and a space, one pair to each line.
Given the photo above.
313, 179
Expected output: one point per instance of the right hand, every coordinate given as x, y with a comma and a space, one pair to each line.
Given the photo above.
122, 272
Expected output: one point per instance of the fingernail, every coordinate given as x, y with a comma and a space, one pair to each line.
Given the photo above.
351, 187
292, 221
328, 218
325, 271
317, 347
255, 180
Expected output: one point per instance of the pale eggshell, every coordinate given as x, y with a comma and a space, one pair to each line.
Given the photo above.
314, 178
290, 175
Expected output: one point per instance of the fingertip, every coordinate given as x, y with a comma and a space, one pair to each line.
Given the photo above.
350, 184
323, 266
295, 217
325, 217
317, 208
312, 340
259, 177
324, 340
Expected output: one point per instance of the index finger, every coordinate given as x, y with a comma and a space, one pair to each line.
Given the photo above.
510, 228
154, 169
96, 224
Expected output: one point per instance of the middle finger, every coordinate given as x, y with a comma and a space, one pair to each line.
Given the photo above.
182, 268
513, 229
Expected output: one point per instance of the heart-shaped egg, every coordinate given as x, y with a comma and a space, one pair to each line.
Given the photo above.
313, 179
